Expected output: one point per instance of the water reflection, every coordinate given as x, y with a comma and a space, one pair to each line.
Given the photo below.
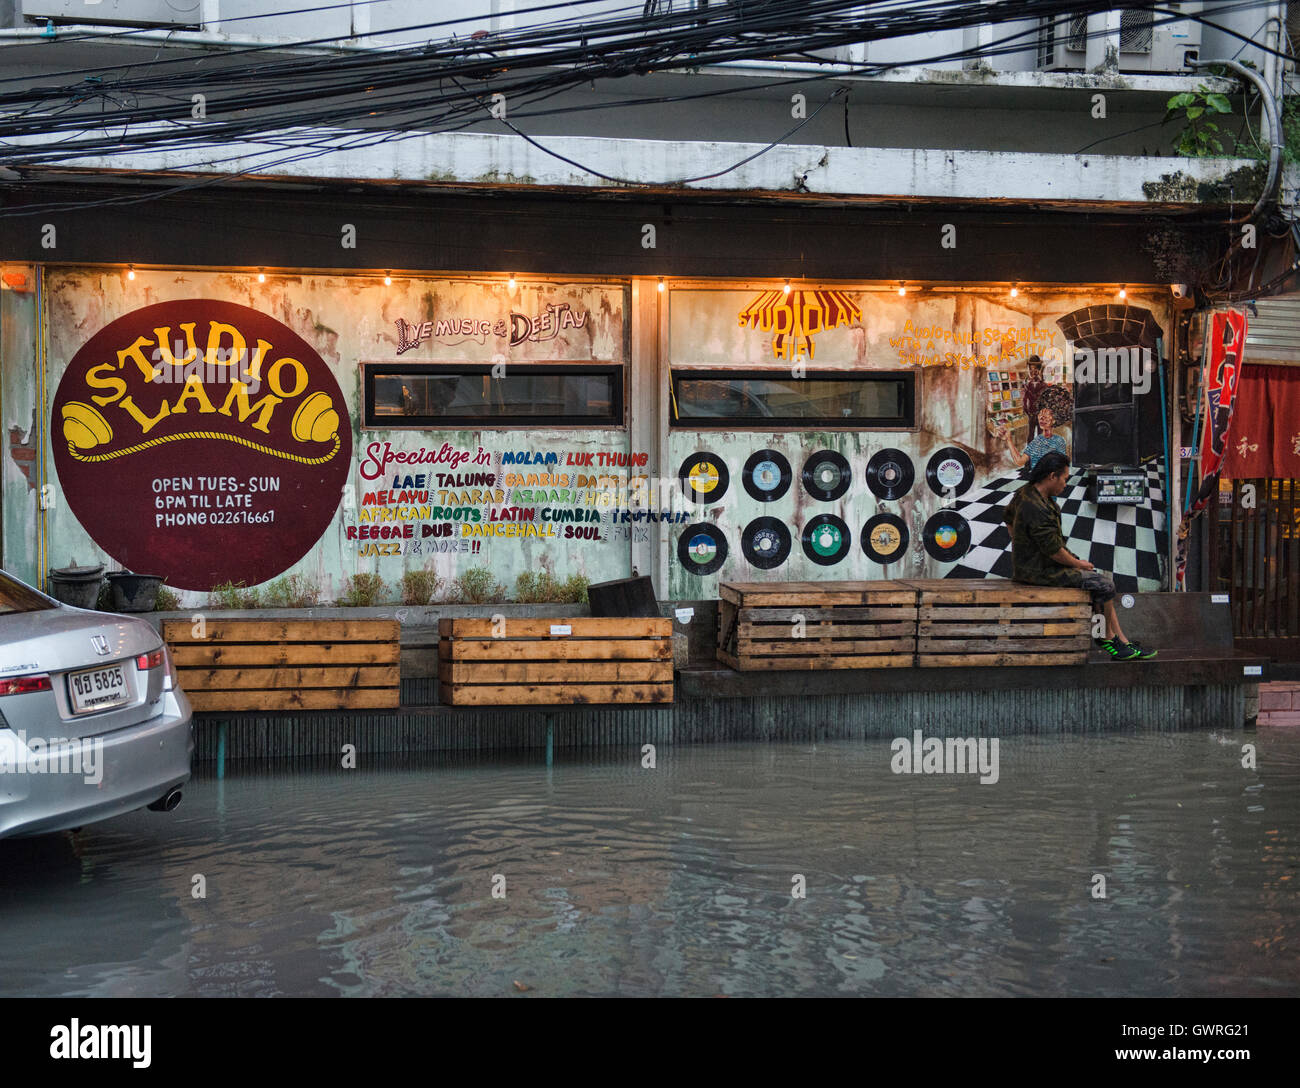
620, 880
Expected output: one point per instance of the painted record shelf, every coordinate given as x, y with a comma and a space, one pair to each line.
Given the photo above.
555, 662
816, 625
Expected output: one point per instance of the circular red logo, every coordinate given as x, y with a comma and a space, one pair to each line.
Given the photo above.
202, 441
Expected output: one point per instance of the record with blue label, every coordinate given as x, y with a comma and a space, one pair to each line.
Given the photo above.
766, 543
950, 469
890, 474
885, 538
702, 548
704, 477
826, 540
947, 536
767, 476
826, 475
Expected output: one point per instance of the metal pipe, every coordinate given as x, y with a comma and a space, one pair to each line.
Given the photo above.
1269, 101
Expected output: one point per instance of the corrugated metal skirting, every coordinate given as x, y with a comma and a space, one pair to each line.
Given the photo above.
706, 721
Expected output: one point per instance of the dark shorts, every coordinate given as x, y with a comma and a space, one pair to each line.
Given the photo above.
1100, 585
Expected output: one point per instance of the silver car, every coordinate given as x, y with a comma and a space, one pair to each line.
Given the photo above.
92, 721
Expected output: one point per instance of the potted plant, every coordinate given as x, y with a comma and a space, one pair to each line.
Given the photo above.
134, 592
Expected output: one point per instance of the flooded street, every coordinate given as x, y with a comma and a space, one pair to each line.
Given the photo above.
619, 880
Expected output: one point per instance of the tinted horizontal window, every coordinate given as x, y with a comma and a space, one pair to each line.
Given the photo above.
524, 395
773, 398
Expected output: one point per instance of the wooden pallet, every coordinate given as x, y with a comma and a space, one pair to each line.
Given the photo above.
816, 625
995, 622
249, 665
555, 662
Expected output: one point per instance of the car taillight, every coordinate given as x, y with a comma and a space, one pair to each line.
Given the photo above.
24, 685
152, 660
171, 680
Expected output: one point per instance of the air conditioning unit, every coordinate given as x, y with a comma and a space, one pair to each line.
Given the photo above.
1148, 45
114, 12
1062, 43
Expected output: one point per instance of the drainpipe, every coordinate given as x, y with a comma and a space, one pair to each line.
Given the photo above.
1269, 100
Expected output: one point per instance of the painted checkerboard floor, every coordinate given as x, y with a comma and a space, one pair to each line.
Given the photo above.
1126, 541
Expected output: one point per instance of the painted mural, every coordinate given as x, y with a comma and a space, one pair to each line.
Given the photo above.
994, 393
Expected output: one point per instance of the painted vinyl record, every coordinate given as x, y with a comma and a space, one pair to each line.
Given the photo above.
767, 476
704, 477
890, 474
702, 548
950, 468
766, 543
885, 538
826, 540
826, 475
947, 536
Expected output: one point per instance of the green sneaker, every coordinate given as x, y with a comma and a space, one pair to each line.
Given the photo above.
1143, 653
1121, 651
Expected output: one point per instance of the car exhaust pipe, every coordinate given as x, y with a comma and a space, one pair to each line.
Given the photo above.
167, 802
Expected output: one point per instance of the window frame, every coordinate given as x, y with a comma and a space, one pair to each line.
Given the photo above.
371, 370
909, 377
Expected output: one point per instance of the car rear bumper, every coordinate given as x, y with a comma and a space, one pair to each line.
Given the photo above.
95, 778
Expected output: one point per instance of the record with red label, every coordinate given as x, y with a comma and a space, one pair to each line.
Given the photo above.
890, 474
766, 543
950, 469
947, 536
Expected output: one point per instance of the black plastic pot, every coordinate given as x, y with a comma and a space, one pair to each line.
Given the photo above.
134, 592
77, 586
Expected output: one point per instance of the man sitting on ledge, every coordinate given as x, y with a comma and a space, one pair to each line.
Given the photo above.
1040, 557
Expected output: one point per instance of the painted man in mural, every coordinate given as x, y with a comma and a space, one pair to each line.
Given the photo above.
1041, 558
1031, 391
1055, 406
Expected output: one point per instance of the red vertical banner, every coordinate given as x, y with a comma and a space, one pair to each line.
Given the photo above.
1227, 342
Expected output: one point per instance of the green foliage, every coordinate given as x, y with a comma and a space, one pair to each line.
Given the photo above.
1251, 148
292, 591
233, 595
419, 586
477, 586
542, 587
168, 600
1200, 136
362, 591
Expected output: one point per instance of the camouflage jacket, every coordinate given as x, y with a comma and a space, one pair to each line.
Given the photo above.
1036, 536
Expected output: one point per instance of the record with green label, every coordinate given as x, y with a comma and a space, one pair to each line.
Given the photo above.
702, 548
766, 543
704, 477
947, 536
826, 540
884, 538
826, 475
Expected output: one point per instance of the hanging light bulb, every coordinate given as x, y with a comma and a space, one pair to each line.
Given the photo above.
1123, 293
388, 279
261, 276
130, 272
1015, 291
902, 288
661, 284
511, 282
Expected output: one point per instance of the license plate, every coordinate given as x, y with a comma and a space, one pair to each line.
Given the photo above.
98, 689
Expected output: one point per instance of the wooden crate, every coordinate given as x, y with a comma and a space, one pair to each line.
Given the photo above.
248, 665
555, 662
845, 625
995, 622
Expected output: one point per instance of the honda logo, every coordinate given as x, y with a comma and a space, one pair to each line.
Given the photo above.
100, 643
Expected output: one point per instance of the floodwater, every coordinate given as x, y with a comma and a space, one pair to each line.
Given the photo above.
621, 880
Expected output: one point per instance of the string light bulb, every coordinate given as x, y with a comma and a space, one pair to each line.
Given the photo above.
902, 288
388, 279
261, 276
1015, 291
661, 285
511, 282
787, 287
1123, 292
130, 272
